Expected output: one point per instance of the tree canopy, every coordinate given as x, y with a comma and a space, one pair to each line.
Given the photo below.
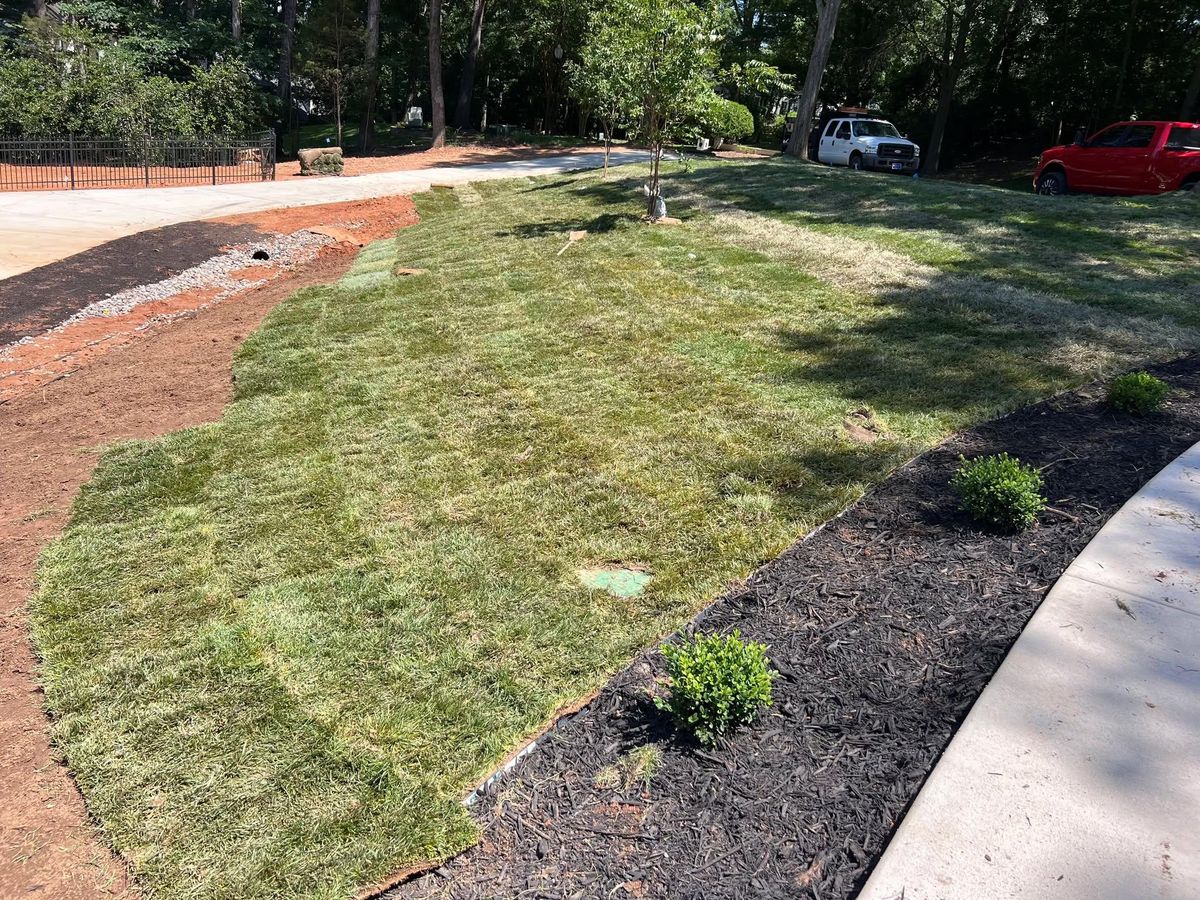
963, 77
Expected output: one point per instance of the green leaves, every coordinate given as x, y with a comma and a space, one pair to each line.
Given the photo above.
649, 62
727, 119
1000, 491
1138, 393
717, 684
62, 86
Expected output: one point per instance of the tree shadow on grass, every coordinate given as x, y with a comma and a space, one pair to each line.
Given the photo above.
598, 225
1091, 251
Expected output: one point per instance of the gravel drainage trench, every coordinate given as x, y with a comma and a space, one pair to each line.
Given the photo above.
886, 624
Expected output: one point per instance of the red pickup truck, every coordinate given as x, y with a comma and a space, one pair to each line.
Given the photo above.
1126, 158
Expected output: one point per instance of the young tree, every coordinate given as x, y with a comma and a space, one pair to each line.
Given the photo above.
466, 85
437, 96
827, 14
371, 80
604, 81
670, 47
332, 41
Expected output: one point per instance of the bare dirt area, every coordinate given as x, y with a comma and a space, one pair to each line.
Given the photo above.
468, 155
162, 365
63, 315
36, 300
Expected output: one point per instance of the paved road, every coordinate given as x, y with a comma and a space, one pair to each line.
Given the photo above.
40, 227
1076, 775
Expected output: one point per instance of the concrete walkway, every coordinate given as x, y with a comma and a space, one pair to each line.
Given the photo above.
39, 227
1077, 772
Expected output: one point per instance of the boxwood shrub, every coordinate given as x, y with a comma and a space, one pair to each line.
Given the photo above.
1137, 392
716, 684
999, 491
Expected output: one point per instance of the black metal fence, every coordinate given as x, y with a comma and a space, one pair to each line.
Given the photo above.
69, 163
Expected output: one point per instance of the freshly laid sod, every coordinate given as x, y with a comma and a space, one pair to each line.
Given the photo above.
280, 648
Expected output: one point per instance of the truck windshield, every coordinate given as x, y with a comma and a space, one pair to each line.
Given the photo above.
875, 129
1183, 137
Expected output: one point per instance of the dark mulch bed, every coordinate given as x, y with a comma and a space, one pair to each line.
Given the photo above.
41, 298
885, 625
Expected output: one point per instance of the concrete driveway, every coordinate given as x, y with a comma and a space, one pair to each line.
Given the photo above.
40, 227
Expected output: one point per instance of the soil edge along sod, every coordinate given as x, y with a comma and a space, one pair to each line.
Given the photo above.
282, 647
886, 624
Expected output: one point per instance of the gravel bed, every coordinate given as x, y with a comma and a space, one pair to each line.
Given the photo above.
885, 626
283, 251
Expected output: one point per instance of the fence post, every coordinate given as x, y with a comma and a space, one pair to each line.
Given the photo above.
212, 149
146, 158
71, 157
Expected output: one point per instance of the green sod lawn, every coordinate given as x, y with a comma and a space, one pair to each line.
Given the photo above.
280, 648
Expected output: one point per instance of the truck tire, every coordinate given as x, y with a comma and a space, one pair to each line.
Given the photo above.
856, 161
1190, 183
1052, 183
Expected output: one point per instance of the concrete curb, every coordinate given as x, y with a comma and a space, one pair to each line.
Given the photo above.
1077, 772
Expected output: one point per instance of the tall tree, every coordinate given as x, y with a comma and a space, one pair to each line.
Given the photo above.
956, 26
437, 96
366, 132
1114, 110
827, 14
235, 19
287, 38
466, 85
1192, 95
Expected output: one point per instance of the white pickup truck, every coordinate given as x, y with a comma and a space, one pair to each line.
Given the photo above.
867, 144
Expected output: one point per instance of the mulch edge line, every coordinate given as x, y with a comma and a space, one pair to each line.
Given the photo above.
731, 604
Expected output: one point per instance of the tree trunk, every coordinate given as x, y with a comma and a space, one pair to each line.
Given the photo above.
487, 96
286, 40
437, 97
337, 110
235, 19
1126, 47
37, 9
466, 87
827, 15
366, 132
953, 47
1193, 94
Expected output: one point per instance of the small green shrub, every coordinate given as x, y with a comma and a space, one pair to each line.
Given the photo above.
717, 683
1137, 393
728, 119
999, 491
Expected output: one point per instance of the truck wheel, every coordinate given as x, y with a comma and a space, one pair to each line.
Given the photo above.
856, 162
1190, 183
1052, 184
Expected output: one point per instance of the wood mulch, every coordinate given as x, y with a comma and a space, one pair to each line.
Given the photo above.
886, 625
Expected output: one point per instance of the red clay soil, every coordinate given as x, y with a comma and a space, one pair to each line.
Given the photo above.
164, 377
41, 298
67, 286
444, 156
56, 178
